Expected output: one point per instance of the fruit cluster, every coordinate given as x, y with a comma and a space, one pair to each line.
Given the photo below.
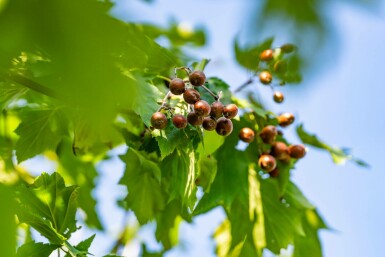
214, 116
278, 150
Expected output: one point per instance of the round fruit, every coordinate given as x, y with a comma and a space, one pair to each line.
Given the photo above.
202, 108
285, 119
224, 126
268, 134
177, 86
194, 119
230, 111
209, 123
267, 162
197, 78
278, 97
216, 110
179, 121
274, 173
297, 151
287, 48
246, 135
280, 66
191, 96
159, 120
280, 151
266, 55
265, 77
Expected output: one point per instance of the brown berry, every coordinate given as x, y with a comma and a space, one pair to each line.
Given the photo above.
202, 108
268, 134
159, 120
266, 55
230, 111
194, 119
278, 97
246, 135
265, 77
177, 86
191, 96
288, 48
280, 151
197, 78
280, 66
179, 121
267, 162
285, 119
224, 126
209, 123
216, 110
297, 151
274, 173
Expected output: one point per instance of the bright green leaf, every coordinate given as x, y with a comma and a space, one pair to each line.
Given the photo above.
33, 249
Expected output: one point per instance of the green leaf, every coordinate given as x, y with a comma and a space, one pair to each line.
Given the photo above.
49, 206
10, 92
231, 176
309, 245
80, 172
7, 221
142, 178
249, 57
339, 155
172, 138
178, 177
33, 249
39, 130
207, 172
83, 246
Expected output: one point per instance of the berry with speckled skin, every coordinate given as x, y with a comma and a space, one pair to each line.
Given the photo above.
224, 126
197, 78
159, 120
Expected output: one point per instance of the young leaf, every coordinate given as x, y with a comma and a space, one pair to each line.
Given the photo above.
49, 206
142, 178
339, 155
39, 130
33, 249
249, 57
83, 246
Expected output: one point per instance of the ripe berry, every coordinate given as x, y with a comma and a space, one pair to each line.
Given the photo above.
268, 134
159, 120
230, 111
177, 86
224, 126
274, 173
209, 123
191, 96
285, 119
267, 162
297, 151
197, 78
216, 110
278, 97
288, 48
179, 121
265, 77
194, 119
280, 66
246, 135
202, 108
266, 55
280, 151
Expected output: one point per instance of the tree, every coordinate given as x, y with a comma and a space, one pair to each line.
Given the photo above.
76, 83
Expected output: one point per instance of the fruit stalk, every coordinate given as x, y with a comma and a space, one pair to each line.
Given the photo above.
164, 101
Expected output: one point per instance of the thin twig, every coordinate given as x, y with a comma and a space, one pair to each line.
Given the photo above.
164, 100
241, 87
210, 92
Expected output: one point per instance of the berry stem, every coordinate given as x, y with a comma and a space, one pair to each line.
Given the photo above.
245, 84
210, 92
164, 100
186, 69
163, 77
